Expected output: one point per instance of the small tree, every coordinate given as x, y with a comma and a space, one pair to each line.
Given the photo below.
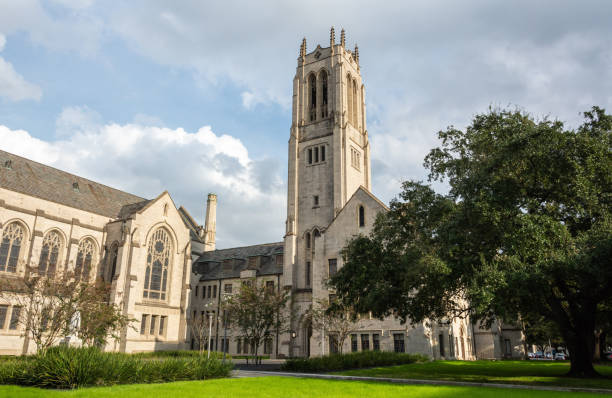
258, 312
98, 319
334, 317
47, 304
198, 325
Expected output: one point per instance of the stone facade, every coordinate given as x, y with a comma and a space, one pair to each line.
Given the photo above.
329, 201
123, 230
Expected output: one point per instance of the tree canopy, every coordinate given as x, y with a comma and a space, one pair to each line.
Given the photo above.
524, 230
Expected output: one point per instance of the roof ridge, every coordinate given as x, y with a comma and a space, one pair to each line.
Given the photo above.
244, 247
74, 175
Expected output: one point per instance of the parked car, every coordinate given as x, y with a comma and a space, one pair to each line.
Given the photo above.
531, 355
538, 354
549, 355
559, 356
608, 356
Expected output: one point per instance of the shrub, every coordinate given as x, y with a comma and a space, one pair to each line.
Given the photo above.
68, 367
181, 354
355, 360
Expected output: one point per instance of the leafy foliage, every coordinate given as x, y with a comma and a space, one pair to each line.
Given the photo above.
354, 360
258, 312
525, 231
64, 367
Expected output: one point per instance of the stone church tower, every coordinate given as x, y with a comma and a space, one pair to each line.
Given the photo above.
329, 152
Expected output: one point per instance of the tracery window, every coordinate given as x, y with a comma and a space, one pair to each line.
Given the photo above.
158, 260
312, 82
355, 109
349, 99
85, 255
49, 255
324, 94
12, 238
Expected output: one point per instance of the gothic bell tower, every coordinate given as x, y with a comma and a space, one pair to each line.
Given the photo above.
329, 151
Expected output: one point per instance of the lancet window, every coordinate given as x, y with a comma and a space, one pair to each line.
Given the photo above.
159, 252
13, 238
85, 256
312, 83
49, 255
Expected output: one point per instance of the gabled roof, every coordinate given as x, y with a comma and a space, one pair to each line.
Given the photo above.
364, 190
191, 224
210, 264
45, 182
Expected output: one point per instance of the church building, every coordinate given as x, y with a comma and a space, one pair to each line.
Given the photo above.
329, 201
163, 268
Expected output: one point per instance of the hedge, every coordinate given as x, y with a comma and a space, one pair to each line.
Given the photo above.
355, 360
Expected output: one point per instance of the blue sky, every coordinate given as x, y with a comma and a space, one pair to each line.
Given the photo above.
194, 96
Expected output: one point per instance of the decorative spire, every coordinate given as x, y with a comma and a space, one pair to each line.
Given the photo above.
332, 37
342, 38
357, 54
303, 48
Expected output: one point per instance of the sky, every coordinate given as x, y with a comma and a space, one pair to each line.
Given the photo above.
194, 96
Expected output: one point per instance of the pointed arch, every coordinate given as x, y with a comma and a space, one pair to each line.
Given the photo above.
86, 257
159, 259
355, 102
312, 97
323, 79
14, 239
361, 216
349, 98
52, 247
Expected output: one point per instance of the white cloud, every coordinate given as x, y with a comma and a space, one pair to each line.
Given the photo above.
145, 160
12, 85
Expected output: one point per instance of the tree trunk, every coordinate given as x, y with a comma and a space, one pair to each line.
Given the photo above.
581, 342
602, 344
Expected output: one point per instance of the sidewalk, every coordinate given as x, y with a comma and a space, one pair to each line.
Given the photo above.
264, 373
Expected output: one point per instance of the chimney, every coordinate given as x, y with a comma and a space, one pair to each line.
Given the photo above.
210, 226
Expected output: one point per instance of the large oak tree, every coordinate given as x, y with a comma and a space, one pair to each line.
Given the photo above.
525, 230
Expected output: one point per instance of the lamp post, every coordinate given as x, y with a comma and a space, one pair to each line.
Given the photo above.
226, 298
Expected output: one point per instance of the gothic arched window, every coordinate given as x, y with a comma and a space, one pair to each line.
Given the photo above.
158, 261
85, 256
349, 99
324, 99
10, 247
114, 254
355, 113
307, 238
49, 255
312, 83
361, 216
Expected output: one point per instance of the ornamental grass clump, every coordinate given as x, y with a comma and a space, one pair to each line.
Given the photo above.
355, 360
68, 367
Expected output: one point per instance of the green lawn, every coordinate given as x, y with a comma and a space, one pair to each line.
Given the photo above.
281, 387
513, 372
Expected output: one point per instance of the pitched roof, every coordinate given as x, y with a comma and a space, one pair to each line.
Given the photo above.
210, 264
45, 182
191, 224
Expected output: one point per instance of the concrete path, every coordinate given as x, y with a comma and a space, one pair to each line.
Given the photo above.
263, 373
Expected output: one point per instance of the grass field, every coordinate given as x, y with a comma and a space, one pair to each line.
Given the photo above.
512, 372
282, 387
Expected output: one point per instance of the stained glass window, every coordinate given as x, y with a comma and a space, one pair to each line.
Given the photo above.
158, 261
49, 255
12, 238
85, 255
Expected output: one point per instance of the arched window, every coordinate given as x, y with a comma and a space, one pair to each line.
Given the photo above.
361, 216
312, 83
159, 252
316, 233
355, 113
85, 255
349, 99
114, 254
49, 255
324, 100
12, 238
307, 238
